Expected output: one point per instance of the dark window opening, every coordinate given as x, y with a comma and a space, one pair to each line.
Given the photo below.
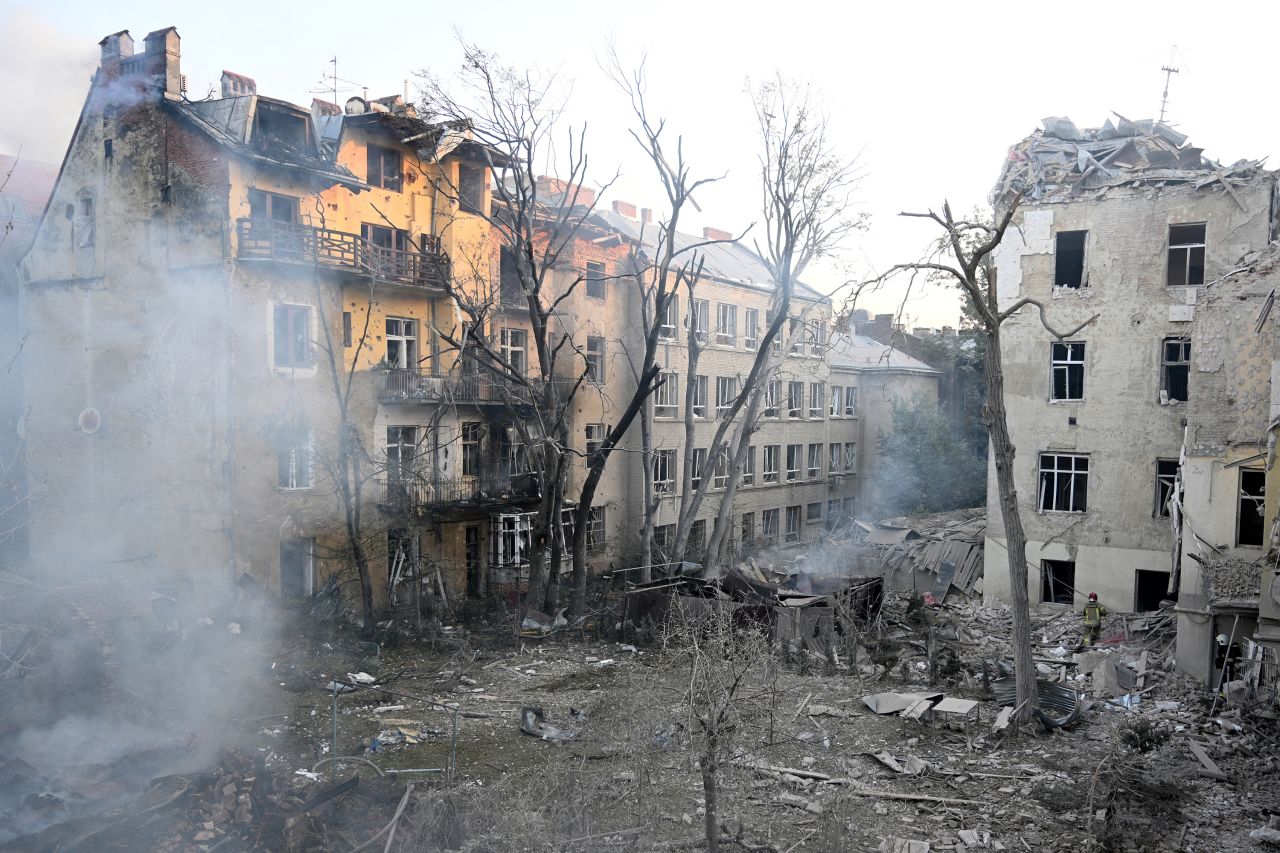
595, 359
386, 238
278, 130
1150, 589
1166, 477
106, 148
265, 205
346, 328
1252, 494
1057, 581
1186, 254
471, 189
1067, 360
297, 574
475, 585
292, 336
1069, 259
1175, 369
509, 276
595, 280
384, 168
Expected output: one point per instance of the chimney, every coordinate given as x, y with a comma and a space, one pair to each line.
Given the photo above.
716, 234
163, 60
646, 215
624, 208
948, 331
116, 47
561, 192
235, 85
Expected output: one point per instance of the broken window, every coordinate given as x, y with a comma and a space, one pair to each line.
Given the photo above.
402, 343
1067, 365
471, 189
817, 338
511, 545
726, 324
814, 468
768, 324
850, 402
664, 471
726, 394
1186, 254
771, 462
795, 399
472, 435
664, 536
1064, 482
748, 527
595, 438
514, 346
273, 206
697, 542
847, 507
769, 525
1068, 262
793, 461
813, 512
402, 447
595, 359
595, 280
749, 467
666, 397
1166, 477
667, 319
292, 330
772, 393
793, 523
384, 168
700, 318
751, 328
699, 396
293, 463
850, 457
837, 402
1175, 369
697, 467
833, 514
279, 130
382, 237
1057, 581
815, 399
595, 529
1252, 494
297, 568
835, 453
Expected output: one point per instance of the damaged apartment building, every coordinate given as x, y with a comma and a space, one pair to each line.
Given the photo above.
1141, 438
217, 285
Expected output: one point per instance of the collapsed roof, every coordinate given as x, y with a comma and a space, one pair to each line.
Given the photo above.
1062, 162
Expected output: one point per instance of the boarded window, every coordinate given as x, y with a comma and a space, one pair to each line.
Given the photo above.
1068, 264
1186, 254
1175, 369
1252, 494
1067, 364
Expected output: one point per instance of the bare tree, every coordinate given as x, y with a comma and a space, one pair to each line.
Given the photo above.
963, 255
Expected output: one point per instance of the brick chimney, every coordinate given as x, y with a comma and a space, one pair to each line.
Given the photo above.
716, 234
624, 208
554, 190
163, 60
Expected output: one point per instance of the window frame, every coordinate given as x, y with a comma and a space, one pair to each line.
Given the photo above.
700, 319
751, 329
726, 394
817, 405
835, 403
726, 324
1186, 264
1184, 342
1258, 500
1166, 483
701, 403
851, 401
795, 457
813, 461
471, 186
597, 441
1082, 280
507, 346
795, 399
770, 522
597, 531
748, 477
594, 357
594, 279
1076, 475
809, 516
1062, 361
393, 182
668, 324
770, 473
835, 456
773, 399
407, 340
794, 522
664, 459
667, 395
297, 347
471, 438
697, 467
850, 457
295, 463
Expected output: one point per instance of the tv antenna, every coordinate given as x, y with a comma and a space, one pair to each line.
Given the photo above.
329, 83
1169, 71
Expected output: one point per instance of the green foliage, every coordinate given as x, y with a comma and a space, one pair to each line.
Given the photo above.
927, 467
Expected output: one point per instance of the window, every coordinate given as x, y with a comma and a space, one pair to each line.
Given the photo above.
771, 463
795, 399
772, 393
384, 168
769, 525
293, 463
721, 477
400, 450
1175, 369
793, 523
726, 394
833, 514
595, 359
699, 396
815, 400
513, 540
595, 280
471, 553
292, 335
510, 288
817, 338
664, 471
749, 467
751, 328
402, 342
1252, 494
513, 455
793, 461
768, 324
666, 397
513, 344
837, 401
471, 189
850, 402
700, 317
834, 454
748, 527
697, 543
346, 328
1067, 366
1068, 259
1064, 482
297, 568
667, 319
813, 512
1166, 476
1057, 581
595, 529
697, 467
797, 332
726, 324
850, 457
382, 237
595, 438
566, 528
814, 468
1186, 254
847, 506
279, 208
472, 433
664, 536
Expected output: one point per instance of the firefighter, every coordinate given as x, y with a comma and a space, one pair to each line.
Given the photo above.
1093, 613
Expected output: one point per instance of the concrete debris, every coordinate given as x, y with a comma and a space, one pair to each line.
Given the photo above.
532, 723
1266, 835
893, 844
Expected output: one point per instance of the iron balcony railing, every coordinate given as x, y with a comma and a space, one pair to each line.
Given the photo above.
304, 244
415, 384
418, 492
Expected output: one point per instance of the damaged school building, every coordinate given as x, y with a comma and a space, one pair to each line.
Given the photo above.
209, 273
1145, 470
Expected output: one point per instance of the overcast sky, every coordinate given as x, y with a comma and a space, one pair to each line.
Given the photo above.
928, 98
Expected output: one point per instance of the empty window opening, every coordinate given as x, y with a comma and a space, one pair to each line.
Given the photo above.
748, 527
595, 280
813, 512
384, 168
1175, 369
511, 291
697, 543
1064, 482
1069, 259
1067, 362
292, 342
1057, 581
297, 568
1150, 588
346, 328
664, 536
1166, 478
1252, 494
1186, 254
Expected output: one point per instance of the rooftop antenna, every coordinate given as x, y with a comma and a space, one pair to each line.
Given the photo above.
328, 83
1169, 71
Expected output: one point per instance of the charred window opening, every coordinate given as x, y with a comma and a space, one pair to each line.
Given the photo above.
595, 280
1064, 482
1253, 483
475, 572
384, 168
595, 359
1175, 369
1166, 478
1057, 581
1069, 259
279, 130
1067, 364
1186, 254
509, 277
666, 397
471, 189
273, 206
292, 335
472, 438
107, 149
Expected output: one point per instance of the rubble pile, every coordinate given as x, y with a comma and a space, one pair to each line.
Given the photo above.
940, 551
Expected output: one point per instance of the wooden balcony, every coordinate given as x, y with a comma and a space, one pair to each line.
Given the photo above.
305, 245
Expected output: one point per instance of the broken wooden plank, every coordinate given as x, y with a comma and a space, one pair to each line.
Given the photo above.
861, 791
919, 709
1002, 719
1207, 765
